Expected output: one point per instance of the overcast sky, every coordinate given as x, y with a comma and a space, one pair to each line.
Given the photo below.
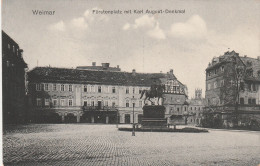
186, 43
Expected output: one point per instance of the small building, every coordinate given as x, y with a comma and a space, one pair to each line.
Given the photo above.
195, 110
13, 81
95, 95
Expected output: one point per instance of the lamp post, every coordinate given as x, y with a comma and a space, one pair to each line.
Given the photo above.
133, 101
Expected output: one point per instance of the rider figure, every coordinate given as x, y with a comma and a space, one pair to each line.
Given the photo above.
154, 89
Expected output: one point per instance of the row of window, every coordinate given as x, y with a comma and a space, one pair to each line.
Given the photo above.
47, 102
86, 88
14, 49
46, 87
127, 104
216, 84
216, 71
69, 102
195, 108
251, 101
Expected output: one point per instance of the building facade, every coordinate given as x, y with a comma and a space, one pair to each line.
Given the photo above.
13, 81
232, 88
93, 96
195, 110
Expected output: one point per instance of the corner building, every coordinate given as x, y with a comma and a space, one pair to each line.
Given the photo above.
233, 88
89, 95
13, 81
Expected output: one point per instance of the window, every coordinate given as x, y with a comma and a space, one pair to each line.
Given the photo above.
222, 83
209, 74
215, 71
242, 100
46, 87
106, 103
92, 89
127, 90
38, 87
85, 103
92, 103
70, 88
209, 86
215, 84
99, 89
85, 89
140, 103
249, 101
140, 90
54, 101
113, 89
54, 87
133, 90
62, 102
195, 108
190, 108
9, 46
62, 87
254, 87
253, 101
249, 87
113, 104
13, 49
7, 63
47, 102
127, 103
39, 102
70, 102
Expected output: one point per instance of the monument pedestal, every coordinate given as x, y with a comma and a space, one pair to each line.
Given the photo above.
154, 117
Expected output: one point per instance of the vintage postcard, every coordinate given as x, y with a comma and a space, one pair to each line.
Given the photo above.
138, 83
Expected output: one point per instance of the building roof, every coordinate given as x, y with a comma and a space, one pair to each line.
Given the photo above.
217, 61
65, 75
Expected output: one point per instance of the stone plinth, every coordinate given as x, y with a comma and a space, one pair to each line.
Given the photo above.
154, 117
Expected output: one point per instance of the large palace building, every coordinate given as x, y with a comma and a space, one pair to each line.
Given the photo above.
97, 94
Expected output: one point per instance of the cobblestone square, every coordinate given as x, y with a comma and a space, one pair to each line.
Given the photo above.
87, 144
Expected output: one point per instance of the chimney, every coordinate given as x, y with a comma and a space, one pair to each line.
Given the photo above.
245, 56
21, 52
133, 72
93, 63
171, 71
117, 66
258, 58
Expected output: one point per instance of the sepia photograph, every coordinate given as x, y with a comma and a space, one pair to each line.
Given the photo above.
130, 83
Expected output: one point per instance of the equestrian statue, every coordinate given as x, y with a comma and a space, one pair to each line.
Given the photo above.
156, 91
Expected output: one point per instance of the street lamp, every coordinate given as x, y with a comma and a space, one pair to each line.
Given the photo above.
133, 101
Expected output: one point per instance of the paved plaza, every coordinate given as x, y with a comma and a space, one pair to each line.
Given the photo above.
87, 144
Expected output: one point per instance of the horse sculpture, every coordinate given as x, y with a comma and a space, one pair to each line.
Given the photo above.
155, 91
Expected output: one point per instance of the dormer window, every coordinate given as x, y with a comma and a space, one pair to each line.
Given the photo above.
249, 72
249, 63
